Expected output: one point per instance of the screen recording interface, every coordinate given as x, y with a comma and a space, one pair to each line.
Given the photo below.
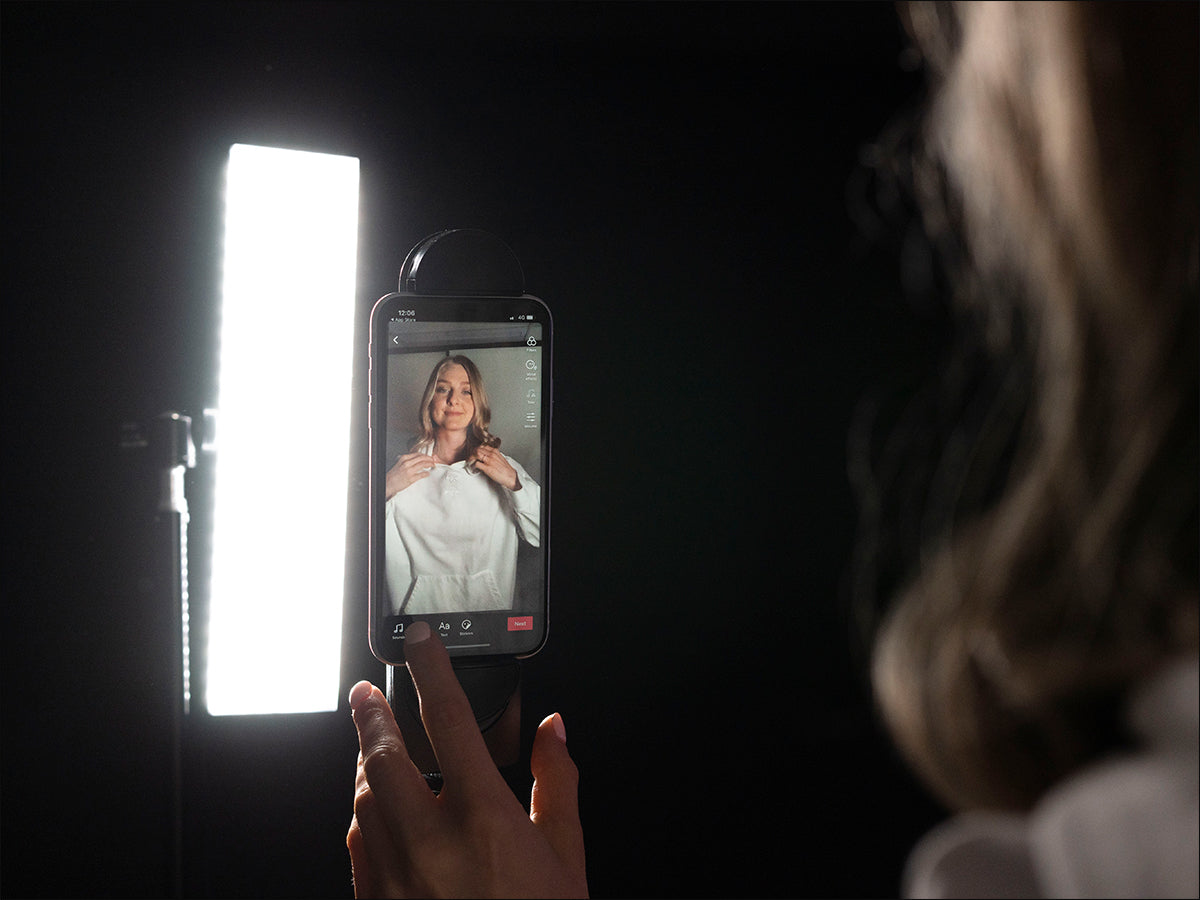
460, 442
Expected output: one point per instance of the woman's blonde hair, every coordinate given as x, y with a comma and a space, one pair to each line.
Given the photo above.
1062, 144
478, 434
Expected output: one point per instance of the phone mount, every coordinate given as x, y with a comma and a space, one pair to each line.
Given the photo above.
463, 261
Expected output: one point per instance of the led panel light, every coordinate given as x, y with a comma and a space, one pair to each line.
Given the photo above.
282, 457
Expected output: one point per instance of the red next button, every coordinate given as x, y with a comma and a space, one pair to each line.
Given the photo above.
520, 623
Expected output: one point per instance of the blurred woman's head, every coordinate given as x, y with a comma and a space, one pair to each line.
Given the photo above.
1062, 137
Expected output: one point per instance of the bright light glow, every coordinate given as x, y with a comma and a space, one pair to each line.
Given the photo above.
283, 451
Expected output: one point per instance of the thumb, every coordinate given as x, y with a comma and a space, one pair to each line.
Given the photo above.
554, 803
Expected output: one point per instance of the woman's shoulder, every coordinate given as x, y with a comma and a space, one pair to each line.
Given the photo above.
1124, 826
1130, 825
974, 854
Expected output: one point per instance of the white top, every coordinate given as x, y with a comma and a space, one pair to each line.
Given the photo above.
451, 540
1128, 826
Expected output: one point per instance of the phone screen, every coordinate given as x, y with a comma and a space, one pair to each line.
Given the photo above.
460, 463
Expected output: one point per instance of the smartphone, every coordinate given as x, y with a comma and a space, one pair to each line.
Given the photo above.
459, 418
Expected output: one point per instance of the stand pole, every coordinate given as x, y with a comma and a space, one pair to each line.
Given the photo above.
174, 453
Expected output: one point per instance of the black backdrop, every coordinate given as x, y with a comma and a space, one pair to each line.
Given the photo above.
674, 179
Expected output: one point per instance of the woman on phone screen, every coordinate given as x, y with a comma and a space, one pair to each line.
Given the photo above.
456, 507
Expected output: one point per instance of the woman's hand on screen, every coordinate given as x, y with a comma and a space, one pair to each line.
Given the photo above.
495, 465
474, 838
409, 468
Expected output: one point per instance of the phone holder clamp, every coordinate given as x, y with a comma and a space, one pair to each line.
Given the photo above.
462, 261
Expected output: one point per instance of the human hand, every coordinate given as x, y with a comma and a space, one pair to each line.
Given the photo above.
495, 465
409, 468
473, 839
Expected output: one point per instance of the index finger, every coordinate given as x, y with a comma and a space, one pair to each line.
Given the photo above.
445, 710
399, 787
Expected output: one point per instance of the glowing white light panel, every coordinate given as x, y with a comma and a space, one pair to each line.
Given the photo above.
283, 445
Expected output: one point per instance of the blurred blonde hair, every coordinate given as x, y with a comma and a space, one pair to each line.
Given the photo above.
1064, 136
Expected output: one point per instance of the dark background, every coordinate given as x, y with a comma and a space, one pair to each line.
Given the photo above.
674, 179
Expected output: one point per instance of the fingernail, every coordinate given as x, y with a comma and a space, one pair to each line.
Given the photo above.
416, 632
359, 693
559, 728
